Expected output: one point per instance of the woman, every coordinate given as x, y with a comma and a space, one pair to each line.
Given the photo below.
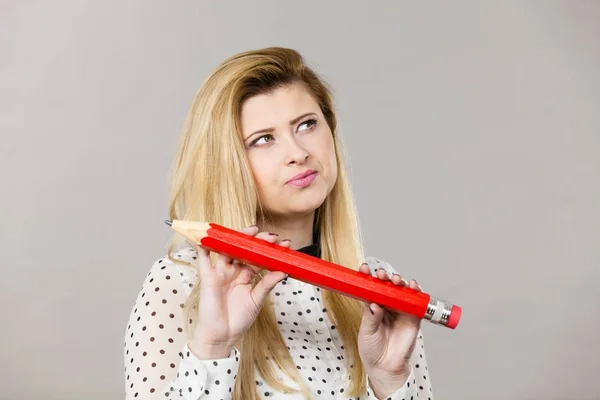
260, 153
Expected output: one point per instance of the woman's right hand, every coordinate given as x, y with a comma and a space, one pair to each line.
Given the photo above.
228, 303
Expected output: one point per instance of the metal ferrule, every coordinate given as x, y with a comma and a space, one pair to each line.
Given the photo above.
438, 311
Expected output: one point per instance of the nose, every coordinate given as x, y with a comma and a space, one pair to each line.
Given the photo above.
296, 154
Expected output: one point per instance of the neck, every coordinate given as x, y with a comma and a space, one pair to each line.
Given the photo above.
298, 230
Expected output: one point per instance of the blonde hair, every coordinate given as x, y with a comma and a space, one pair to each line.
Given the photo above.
212, 181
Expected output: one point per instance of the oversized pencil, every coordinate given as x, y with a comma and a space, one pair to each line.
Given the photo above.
317, 272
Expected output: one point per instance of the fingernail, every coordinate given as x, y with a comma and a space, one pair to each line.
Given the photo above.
272, 234
286, 240
372, 313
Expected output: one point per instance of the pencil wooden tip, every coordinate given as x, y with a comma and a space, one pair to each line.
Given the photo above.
169, 222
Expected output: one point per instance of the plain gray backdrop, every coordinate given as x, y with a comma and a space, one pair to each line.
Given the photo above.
474, 138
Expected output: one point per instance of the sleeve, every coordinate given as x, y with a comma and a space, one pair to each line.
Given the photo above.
405, 392
158, 362
421, 372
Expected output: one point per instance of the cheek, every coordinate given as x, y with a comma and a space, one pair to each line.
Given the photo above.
263, 173
333, 171
328, 156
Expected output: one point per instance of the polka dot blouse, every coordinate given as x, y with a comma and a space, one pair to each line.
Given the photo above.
159, 364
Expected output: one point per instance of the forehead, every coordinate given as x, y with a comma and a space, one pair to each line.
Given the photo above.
277, 108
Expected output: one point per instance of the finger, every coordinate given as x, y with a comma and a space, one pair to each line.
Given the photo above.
223, 262
265, 285
285, 243
414, 285
382, 274
237, 263
205, 266
268, 236
365, 269
371, 318
250, 230
398, 280
247, 273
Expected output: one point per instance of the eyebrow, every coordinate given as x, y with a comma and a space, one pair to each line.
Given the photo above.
292, 122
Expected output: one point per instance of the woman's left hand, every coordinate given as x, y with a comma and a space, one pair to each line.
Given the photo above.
387, 338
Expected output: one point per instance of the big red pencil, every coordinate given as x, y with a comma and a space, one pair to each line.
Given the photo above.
317, 272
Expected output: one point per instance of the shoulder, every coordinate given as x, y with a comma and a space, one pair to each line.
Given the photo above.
182, 264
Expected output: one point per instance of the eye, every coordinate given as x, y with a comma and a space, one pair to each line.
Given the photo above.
309, 124
261, 138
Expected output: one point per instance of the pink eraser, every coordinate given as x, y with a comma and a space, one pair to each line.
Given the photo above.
454, 317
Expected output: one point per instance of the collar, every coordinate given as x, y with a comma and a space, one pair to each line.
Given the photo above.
313, 249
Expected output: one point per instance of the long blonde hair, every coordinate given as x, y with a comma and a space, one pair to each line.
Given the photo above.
212, 181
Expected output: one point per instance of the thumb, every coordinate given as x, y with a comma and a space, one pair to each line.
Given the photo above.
371, 318
265, 285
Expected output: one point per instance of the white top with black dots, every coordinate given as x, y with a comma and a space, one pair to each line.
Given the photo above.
159, 365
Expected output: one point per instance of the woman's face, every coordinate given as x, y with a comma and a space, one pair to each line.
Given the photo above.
285, 134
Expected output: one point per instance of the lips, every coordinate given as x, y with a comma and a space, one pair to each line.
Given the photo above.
302, 175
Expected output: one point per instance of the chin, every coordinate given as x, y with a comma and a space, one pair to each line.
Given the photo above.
299, 205
306, 204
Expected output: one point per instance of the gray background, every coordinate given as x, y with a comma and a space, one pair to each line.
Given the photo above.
474, 138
